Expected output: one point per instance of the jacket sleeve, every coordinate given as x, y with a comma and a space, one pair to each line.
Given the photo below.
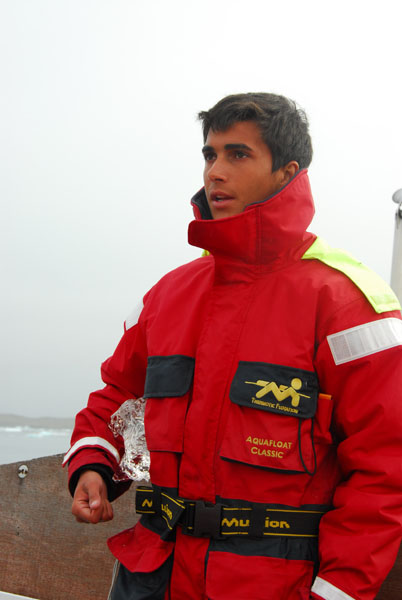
359, 362
92, 441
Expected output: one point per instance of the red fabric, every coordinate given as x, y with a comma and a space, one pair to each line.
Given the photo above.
255, 300
229, 578
140, 549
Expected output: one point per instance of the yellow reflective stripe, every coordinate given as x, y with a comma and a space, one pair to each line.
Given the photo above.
377, 292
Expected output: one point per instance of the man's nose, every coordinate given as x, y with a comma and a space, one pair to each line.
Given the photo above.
217, 171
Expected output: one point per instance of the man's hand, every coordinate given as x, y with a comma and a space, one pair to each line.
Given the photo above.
90, 503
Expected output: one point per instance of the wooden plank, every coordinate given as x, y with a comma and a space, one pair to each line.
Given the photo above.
391, 589
45, 554
8, 596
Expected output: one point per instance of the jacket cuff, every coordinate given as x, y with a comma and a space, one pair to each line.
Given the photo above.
323, 590
114, 489
105, 472
89, 456
92, 444
95, 459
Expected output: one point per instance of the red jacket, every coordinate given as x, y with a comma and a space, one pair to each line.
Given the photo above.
271, 380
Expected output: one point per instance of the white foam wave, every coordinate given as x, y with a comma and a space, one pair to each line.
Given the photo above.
35, 431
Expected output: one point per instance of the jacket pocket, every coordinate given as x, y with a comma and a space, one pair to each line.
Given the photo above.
234, 577
270, 423
167, 386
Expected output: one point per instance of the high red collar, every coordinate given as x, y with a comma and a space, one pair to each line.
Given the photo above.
264, 232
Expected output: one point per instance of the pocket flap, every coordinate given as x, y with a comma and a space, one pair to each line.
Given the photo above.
275, 388
139, 549
168, 376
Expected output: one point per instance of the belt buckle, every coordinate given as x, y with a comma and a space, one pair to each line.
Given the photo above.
207, 520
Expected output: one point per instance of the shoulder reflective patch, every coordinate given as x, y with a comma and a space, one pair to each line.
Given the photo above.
91, 441
133, 317
366, 339
329, 591
377, 292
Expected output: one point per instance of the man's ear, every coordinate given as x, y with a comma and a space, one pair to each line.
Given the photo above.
289, 170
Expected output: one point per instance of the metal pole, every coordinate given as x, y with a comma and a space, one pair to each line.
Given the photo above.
396, 270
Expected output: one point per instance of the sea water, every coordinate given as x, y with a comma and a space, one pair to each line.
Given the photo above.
19, 443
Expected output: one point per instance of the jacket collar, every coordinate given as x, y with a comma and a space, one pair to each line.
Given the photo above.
264, 232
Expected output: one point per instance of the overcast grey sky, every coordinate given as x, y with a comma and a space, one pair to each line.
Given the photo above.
100, 154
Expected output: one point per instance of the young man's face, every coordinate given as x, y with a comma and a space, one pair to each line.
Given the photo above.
238, 169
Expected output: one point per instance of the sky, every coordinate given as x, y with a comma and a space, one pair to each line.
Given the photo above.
100, 155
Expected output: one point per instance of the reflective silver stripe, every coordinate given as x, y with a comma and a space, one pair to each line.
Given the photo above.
116, 568
365, 339
91, 441
328, 591
132, 318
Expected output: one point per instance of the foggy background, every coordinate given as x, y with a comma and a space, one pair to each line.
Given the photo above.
100, 154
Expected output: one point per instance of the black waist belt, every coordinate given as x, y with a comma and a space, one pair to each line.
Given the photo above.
217, 521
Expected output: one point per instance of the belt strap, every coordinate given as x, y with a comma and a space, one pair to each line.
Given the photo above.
217, 521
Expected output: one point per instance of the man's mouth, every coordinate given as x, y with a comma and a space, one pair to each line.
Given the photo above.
220, 197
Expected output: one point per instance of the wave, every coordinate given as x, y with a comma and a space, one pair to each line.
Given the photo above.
20, 442
35, 432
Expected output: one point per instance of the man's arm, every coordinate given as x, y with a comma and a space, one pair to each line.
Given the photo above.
362, 369
94, 448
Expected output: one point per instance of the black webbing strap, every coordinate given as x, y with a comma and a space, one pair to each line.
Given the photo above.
257, 520
217, 521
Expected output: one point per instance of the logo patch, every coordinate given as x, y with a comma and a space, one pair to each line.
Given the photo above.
275, 388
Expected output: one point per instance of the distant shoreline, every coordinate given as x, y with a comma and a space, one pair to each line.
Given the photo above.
9, 420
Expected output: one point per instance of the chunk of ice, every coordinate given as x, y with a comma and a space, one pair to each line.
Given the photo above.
128, 421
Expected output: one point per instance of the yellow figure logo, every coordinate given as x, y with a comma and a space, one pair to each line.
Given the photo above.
280, 392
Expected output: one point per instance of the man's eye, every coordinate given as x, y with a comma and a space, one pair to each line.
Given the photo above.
208, 156
240, 154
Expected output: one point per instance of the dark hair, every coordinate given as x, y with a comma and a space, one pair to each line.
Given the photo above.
283, 126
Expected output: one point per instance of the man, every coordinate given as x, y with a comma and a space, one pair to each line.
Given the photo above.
272, 370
